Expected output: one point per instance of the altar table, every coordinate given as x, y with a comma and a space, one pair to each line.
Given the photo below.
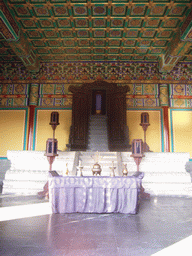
95, 194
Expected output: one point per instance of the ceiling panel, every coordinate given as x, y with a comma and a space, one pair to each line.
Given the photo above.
97, 29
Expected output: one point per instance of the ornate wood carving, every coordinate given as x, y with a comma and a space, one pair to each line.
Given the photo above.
79, 127
116, 112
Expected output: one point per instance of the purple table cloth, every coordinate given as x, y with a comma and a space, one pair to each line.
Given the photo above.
94, 194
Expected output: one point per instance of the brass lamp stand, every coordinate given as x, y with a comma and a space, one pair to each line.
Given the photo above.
137, 154
137, 151
145, 123
52, 143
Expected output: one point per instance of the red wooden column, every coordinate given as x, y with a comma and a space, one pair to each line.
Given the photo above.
166, 128
30, 127
164, 103
33, 102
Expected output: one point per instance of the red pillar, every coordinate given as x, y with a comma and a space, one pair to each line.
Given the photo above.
30, 127
166, 128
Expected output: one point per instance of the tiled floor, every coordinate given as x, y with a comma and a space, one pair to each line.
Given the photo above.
161, 222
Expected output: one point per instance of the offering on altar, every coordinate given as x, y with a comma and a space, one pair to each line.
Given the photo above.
96, 169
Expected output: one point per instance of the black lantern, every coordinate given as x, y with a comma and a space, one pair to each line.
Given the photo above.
54, 121
52, 144
51, 147
144, 118
137, 148
137, 151
51, 151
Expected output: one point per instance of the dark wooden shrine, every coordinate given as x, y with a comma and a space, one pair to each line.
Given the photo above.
114, 107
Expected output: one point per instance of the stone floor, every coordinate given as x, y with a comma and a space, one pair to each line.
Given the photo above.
160, 223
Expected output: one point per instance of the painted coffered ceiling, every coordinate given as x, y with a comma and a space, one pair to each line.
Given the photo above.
35, 31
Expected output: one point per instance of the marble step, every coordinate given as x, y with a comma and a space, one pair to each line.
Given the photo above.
23, 187
98, 132
88, 159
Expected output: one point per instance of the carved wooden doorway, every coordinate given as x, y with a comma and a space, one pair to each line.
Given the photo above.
112, 103
98, 102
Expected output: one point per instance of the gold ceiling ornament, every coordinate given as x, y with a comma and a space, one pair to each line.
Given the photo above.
130, 4
146, 18
142, 30
59, 39
71, 18
164, 18
150, 4
151, 48
54, 18
57, 30
29, 5
88, 4
159, 30
49, 5
68, 4
171, 4
40, 30
35, 19
125, 30
154, 39
45, 40
110, 4
108, 18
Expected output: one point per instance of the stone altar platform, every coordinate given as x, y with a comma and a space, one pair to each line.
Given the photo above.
164, 173
28, 172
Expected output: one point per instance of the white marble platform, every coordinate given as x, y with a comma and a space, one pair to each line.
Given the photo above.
164, 173
29, 170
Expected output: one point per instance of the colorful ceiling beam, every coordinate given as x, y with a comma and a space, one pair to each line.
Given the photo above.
16, 39
102, 30
178, 46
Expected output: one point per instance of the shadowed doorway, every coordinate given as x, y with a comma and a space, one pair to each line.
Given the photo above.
98, 102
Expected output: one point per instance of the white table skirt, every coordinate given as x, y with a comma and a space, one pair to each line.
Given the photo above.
94, 194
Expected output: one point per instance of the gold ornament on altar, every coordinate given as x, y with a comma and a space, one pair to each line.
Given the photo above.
112, 173
125, 171
96, 167
80, 168
67, 170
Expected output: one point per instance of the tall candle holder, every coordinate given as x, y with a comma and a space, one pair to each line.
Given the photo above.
137, 154
80, 169
137, 151
112, 168
52, 143
145, 123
